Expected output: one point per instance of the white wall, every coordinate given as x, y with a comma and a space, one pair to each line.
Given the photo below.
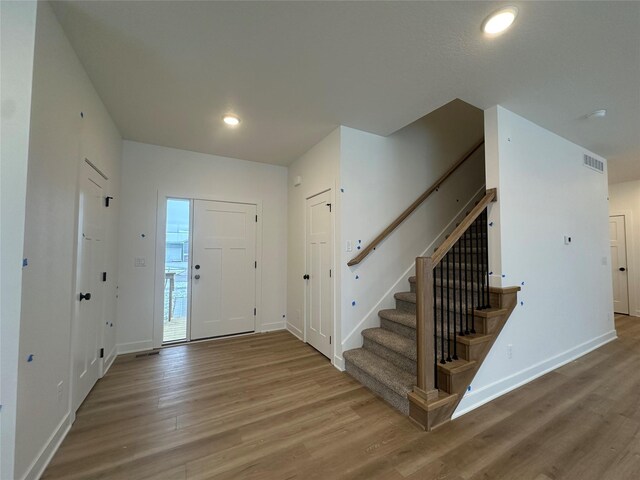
624, 198
544, 193
59, 138
381, 177
149, 171
319, 170
17, 27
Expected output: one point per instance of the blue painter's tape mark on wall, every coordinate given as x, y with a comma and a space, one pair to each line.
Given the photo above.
342, 190
353, 304
357, 277
25, 262
30, 357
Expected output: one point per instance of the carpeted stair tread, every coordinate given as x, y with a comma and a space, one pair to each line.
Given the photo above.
398, 316
399, 344
385, 372
408, 297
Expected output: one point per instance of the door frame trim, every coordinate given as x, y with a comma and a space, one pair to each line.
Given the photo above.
633, 299
160, 243
335, 303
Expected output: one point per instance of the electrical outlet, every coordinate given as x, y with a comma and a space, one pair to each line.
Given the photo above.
509, 351
140, 262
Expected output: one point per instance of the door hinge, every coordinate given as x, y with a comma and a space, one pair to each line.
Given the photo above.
254, 312
329, 205
106, 201
255, 264
256, 218
102, 353
104, 276
329, 339
329, 273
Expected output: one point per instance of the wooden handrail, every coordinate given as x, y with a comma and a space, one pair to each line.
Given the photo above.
426, 373
490, 196
376, 241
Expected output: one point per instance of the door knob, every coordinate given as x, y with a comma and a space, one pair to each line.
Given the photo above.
622, 269
85, 296
197, 267
197, 277
305, 277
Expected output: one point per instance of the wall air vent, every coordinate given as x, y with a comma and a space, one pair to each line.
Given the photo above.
593, 163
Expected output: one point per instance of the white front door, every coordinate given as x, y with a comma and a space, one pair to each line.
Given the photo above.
619, 264
89, 297
223, 269
319, 288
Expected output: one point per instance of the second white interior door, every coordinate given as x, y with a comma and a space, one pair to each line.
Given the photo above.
223, 269
319, 291
619, 264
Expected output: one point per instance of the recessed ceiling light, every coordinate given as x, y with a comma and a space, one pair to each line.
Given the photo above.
499, 21
597, 114
231, 119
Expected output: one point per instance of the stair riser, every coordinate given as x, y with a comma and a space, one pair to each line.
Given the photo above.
464, 351
398, 328
405, 306
400, 361
457, 382
391, 397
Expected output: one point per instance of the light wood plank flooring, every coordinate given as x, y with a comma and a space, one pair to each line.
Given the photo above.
270, 407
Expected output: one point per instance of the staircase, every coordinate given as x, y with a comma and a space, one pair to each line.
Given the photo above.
465, 316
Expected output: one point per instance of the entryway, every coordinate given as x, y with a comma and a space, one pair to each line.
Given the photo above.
619, 274
210, 266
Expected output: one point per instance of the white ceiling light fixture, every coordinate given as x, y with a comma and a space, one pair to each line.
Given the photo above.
499, 21
231, 120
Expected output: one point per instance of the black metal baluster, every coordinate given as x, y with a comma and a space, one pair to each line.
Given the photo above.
466, 284
435, 337
442, 360
487, 303
484, 288
476, 278
448, 259
455, 303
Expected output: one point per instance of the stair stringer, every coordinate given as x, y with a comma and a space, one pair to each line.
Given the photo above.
429, 414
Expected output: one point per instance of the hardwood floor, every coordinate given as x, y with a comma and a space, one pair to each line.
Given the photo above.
270, 407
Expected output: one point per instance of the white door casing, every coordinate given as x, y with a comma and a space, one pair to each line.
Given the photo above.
223, 269
88, 314
319, 284
619, 273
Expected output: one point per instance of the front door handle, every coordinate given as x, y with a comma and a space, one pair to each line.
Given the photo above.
85, 296
622, 269
197, 277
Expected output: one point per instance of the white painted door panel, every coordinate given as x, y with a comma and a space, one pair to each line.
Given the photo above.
619, 264
90, 262
223, 269
319, 291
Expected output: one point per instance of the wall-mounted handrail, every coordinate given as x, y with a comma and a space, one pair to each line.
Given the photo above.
376, 241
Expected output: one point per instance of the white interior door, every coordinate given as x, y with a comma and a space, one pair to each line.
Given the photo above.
223, 269
89, 298
319, 288
619, 264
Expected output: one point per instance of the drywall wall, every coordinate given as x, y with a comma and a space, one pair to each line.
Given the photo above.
565, 307
624, 198
318, 170
17, 30
59, 138
150, 172
381, 177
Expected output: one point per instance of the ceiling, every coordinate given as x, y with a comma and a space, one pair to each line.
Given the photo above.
293, 71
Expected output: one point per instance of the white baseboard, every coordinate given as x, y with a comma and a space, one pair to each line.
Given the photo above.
295, 331
133, 347
485, 394
270, 327
111, 357
37, 467
338, 362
